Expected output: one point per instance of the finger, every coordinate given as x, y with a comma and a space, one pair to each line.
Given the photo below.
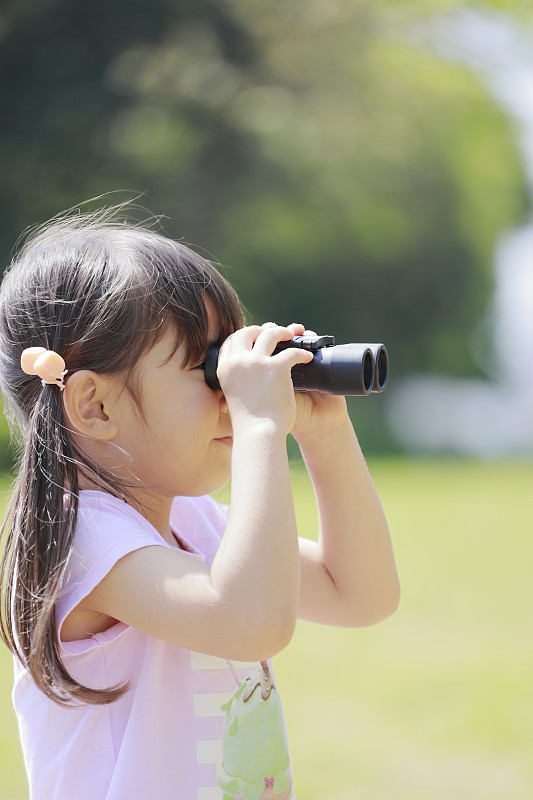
301, 330
297, 328
269, 337
243, 338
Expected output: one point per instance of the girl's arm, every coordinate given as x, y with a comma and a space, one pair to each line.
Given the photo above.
244, 605
348, 577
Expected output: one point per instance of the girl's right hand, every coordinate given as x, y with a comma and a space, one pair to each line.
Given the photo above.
256, 384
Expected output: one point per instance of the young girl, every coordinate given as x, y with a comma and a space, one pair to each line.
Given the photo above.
132, 601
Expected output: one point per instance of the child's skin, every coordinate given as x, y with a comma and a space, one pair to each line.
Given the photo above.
187, 442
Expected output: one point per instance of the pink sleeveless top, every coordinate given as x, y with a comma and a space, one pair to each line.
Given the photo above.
191, 726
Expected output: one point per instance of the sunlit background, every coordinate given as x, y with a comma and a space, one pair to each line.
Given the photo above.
366, 168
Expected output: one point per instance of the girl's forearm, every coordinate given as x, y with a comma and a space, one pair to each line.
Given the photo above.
354, 541
257, 565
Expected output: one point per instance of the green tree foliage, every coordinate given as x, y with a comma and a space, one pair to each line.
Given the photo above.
346, 176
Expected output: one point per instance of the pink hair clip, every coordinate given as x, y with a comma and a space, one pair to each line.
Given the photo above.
47, 364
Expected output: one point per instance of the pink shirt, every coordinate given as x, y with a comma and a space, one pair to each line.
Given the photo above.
191, 726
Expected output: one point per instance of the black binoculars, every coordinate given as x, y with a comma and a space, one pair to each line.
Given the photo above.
346, 369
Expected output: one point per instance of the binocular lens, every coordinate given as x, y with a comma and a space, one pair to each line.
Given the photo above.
381, 366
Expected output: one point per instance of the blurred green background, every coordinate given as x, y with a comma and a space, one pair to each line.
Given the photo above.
342, 174
345, 176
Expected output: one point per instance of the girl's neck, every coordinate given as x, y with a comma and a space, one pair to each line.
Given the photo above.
155, 508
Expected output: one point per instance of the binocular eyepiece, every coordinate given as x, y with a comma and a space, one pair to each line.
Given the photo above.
346, 369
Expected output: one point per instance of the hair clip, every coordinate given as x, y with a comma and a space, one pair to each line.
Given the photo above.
46, 364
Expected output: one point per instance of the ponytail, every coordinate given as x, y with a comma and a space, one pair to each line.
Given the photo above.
38, 539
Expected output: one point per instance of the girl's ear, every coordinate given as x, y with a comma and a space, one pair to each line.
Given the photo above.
87, 400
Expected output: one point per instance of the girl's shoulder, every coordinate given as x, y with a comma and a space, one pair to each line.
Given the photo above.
106, 530
104, 521
107, 523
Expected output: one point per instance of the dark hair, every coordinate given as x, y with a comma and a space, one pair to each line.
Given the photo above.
100, 291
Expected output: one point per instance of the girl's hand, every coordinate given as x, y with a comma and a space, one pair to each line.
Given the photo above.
256, 384
316, 413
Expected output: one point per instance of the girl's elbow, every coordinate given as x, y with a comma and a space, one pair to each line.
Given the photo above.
265, 637
276, 638
385, 607
366, 614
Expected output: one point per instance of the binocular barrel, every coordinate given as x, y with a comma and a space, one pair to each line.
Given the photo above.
345, 369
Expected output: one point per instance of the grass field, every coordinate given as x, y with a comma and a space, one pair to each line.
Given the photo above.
435, 703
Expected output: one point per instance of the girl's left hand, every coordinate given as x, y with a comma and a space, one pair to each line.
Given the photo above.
316, 413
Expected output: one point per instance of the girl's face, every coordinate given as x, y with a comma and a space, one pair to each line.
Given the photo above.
183, 444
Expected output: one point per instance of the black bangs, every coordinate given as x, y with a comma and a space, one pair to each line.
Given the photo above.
200, 292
